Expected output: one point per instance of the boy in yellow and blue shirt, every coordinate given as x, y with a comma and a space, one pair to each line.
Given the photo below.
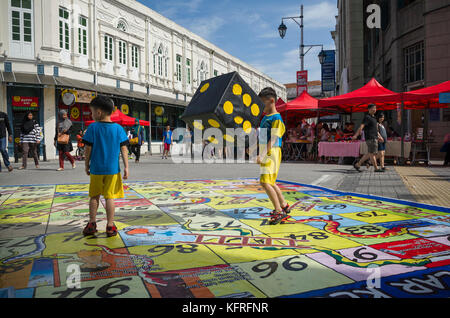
104, 142
272, 130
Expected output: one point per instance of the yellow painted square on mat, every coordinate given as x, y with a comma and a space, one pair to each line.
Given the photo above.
377, 216
177, 256
263, 226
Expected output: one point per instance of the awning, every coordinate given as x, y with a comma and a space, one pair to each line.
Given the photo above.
167, 100
27, 78
358, 100
427, 97
75, 84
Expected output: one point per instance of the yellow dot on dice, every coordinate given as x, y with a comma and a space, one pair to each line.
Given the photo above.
255, 110
228, 138
213, 123
247, 99
237, 89
198, 125
238, 120
204, 88
247, 127
228, 107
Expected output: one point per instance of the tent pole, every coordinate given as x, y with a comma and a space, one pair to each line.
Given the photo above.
402, 133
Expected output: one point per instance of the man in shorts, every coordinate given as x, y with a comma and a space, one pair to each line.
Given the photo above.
370, 127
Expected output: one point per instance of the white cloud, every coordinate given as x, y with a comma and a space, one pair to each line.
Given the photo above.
206, 27
316, 16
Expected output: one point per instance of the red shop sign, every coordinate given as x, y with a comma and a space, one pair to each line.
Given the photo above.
25, 101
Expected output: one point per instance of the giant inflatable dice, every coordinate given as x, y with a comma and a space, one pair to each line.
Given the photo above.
226, 101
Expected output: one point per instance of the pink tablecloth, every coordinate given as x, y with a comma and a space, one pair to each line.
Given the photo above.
339, 149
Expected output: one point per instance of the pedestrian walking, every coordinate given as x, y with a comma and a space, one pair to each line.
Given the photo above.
370, 127
62, 140
167, 140
137, 140
381, 142
5, 127
30, 138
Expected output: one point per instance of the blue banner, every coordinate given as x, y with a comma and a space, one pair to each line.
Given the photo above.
329, 71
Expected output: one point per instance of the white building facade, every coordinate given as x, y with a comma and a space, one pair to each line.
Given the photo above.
52, 50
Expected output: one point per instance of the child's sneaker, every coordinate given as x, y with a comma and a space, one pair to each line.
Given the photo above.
277, 217
287, 209
90, 229
111, 230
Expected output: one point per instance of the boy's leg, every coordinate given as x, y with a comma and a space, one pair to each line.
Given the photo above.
110, 209
273, 196
93, 207
280, 196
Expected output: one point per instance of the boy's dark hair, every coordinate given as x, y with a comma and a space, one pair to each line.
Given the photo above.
268, 92
370, 106
103, 103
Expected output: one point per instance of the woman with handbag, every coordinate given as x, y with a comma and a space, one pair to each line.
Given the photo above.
29, 139
62, 140
137, 140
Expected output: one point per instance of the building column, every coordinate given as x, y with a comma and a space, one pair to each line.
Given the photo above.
49, 120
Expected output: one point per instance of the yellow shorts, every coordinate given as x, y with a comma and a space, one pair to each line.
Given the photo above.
270, 166
110, 186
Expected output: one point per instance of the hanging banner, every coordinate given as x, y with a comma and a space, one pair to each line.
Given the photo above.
85, 97
302, 82
329, 71
25, 102
125, 109
75, 114
86, 114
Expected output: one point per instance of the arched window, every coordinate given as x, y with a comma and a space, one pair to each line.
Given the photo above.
122, 26
202, 72
160, 60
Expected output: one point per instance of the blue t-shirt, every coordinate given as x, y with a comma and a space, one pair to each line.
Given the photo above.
167, 137
268, 123
106, 140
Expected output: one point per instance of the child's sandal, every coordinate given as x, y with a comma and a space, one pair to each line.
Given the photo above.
287, 209
277, 217
90, 229
111, 230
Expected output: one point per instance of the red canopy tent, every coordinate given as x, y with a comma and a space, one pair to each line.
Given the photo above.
120, 118
280, 102
304, 106
358, 100
427, 97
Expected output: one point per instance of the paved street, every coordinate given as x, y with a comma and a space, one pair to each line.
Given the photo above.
394, 183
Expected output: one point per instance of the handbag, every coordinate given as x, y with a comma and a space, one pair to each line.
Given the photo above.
134, 141
63, 139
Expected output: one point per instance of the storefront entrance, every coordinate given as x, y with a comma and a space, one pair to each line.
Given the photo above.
22, 100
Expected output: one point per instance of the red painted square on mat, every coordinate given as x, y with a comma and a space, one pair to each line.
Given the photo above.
416, 247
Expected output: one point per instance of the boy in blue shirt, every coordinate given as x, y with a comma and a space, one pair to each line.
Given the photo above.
272, 130
104, 142
167, 140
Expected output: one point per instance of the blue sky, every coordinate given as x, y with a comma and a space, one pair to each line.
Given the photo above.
248, 29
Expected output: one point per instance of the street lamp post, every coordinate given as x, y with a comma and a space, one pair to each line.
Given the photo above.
282, 30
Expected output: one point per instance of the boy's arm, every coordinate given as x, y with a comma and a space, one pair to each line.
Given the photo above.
124, 152
87, 160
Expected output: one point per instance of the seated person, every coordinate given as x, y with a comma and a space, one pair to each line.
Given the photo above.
324, 134
348, 131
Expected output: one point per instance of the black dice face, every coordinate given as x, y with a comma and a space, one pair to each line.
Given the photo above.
224, 102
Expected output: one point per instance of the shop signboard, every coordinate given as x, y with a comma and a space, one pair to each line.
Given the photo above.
302, 82
25, 102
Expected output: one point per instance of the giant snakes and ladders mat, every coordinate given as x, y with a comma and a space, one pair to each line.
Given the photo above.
211, 238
